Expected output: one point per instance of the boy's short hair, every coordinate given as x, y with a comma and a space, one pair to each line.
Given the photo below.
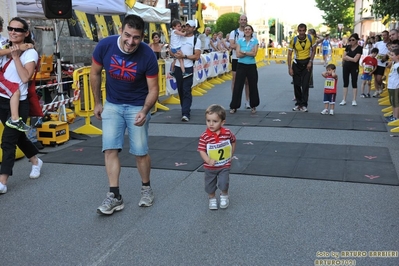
331, 66
374, 51
216, 109
176, 22
396, 51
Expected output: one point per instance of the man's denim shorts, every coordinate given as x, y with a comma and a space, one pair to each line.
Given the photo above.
116, 118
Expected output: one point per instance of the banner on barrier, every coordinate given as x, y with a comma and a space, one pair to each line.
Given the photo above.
207, 66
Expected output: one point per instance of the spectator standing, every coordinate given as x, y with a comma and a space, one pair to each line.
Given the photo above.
350, 67
369, 66
175, 46
234, 36
301, 66
20, 68
205, 40
246, 49
262, 44
382, 61
393, 84
190, 52
156, 44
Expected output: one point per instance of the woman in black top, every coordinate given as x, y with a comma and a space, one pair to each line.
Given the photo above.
350, 66
156, 44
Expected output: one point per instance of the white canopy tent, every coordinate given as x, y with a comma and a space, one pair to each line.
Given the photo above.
33, 8
150, 14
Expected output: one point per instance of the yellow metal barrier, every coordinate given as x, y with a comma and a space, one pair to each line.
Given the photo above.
84, 106
260, 56
337, 55
162, 86
279, 55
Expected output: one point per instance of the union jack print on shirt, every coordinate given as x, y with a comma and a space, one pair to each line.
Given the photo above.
122, 69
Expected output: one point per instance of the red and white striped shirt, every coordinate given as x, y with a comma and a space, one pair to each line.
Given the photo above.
217, 147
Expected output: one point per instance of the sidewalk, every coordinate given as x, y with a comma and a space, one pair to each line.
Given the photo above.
270, 220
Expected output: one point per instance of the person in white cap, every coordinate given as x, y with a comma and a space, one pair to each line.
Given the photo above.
190, 52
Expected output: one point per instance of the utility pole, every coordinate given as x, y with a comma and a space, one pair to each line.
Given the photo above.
189, 10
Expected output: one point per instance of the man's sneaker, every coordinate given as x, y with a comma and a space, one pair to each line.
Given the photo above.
3, 188
363, 95
147, 196
224, 201
247, 106
391, 118
172, 73
19, 125
354, 103
213, 204
376, 94
304, 109
185, 118
35, 173
343, 102
324, 112
368, 95
186, 75
331, 112
110, 204
296, 108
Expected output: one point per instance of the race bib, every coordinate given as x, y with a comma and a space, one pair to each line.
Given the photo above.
367, 69
380, 56
220, 152
329, 84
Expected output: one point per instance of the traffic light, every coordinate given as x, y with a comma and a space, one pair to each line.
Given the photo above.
57, 8
272, 30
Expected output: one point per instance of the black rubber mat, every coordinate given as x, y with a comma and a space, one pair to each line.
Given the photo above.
282, 119
361, 164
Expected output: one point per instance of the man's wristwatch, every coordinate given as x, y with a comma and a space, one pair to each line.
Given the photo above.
185, 56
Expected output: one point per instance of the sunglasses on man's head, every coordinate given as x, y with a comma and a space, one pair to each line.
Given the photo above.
16, 29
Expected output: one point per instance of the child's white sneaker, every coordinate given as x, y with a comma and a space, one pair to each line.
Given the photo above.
213, 204
224, 201
324, 112
331, 112
3, 188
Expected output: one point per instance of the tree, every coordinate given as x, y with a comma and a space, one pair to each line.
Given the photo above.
337, 12
385, 8
227, 22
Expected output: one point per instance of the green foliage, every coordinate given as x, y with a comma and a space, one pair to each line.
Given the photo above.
227, 22
382, 8
337, 11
